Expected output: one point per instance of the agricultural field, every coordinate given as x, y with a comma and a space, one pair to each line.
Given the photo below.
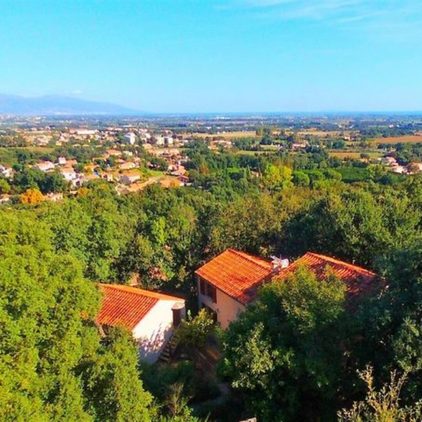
324, 134
399, 139
165, 181
353, 154
345, 154
226, 135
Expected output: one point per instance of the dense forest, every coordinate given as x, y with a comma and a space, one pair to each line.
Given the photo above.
298, 353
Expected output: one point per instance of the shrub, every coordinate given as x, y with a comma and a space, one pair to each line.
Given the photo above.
193, 332
382, 405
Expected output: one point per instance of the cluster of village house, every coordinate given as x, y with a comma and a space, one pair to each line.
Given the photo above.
226, 285
126, 134
124, 173
129, 135
395, 167
164, 144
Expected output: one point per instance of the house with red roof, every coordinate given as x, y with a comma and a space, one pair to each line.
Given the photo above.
358, 280
150, 316
230, 281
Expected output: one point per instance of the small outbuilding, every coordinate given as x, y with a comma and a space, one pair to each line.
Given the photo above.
150, 316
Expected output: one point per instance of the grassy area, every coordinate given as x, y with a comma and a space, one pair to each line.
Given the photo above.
354, 154
345, 154
9, 155
323, 133
353, 174
269, 147
153, 173
243, 152
34, 149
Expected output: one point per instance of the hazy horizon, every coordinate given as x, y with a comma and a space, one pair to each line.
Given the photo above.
133, 112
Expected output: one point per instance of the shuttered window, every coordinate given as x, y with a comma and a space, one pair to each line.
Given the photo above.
207, 289
202, 287
212, 293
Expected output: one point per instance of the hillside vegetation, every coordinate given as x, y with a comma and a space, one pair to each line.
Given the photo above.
294, 355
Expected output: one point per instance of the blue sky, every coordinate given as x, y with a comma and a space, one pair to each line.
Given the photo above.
221, 55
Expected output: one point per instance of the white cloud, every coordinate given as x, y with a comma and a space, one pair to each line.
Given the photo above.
339, 11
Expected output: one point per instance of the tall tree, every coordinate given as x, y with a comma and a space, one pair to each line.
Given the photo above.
111, 380
286, 350
48, 340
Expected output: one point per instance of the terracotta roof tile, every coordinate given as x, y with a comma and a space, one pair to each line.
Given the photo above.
239, 275
126, 306
236, 273
357, 279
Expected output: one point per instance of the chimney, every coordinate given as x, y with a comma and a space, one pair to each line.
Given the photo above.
285, 263
179, 311
279, 263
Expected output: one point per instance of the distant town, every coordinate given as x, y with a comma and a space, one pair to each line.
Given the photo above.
132, 153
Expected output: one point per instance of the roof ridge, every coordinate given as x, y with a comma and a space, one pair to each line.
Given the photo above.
340, 262
249, 257
140, 292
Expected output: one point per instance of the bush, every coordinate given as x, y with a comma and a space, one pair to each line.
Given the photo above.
32, 197
300, 178
205, 389
4, 186
157, 378
354, 174
382, 405
193, 332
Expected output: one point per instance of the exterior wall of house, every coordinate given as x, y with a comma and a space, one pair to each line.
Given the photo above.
226, 308
154, 330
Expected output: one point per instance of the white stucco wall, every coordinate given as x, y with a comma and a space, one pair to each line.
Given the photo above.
154, 330
227, 308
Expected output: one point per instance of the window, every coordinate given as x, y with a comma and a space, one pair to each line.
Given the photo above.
202, 287
212, 293
208, 290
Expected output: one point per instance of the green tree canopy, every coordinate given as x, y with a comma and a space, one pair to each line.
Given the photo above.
48, 339
286, 350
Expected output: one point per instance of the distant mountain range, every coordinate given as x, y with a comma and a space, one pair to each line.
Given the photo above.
57, 105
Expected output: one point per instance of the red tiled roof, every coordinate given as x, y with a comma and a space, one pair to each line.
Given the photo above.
125, 306
357, 279
236, 273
